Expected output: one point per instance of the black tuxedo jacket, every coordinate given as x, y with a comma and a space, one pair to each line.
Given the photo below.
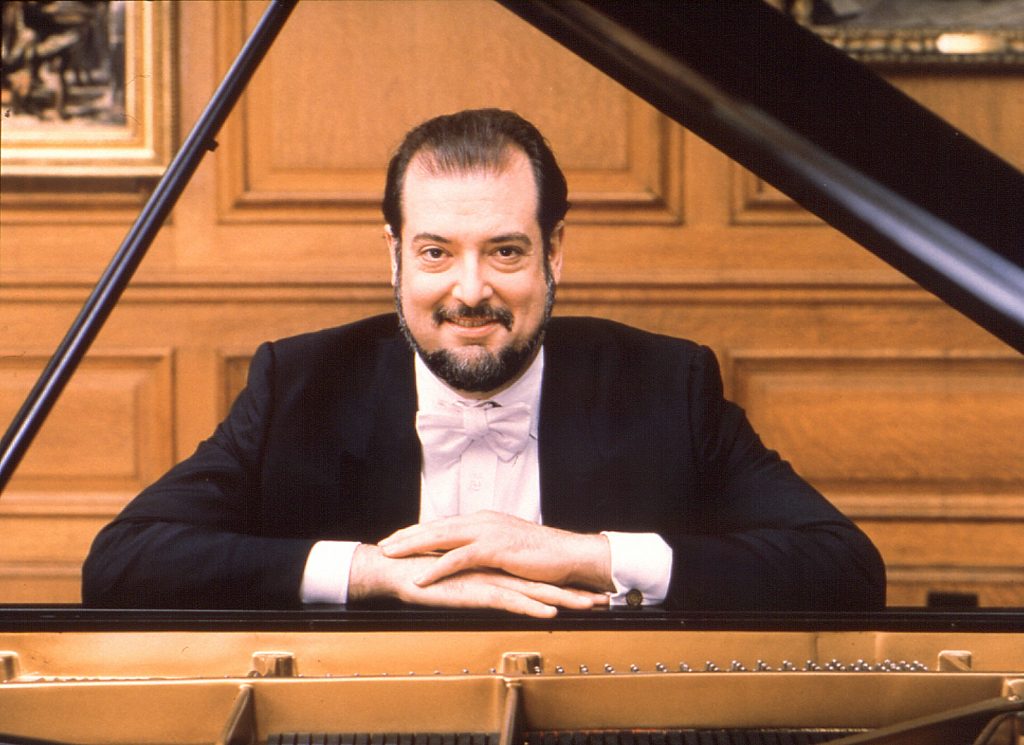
634, 436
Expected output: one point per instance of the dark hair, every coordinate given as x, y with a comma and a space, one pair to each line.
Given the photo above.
479, 138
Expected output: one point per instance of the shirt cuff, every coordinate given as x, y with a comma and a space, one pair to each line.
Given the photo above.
641, 567
325, 578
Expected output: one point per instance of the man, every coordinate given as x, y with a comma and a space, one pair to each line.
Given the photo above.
471, 451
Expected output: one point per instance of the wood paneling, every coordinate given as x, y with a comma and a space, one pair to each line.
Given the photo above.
899, 423
904, 413
108, 429
293, 158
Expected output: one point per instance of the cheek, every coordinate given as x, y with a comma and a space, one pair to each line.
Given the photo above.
422, 290
528, 298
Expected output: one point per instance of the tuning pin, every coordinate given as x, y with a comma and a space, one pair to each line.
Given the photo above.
711, 667
762, 666
660, 667
684, 668
737, 667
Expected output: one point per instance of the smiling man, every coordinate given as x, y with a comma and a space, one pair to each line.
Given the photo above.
472, 451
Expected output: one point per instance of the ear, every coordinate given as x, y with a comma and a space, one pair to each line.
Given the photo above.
394, 246
556, 252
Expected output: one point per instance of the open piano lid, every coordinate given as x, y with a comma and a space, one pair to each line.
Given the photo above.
825, 130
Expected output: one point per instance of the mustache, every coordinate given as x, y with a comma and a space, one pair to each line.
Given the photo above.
482, 312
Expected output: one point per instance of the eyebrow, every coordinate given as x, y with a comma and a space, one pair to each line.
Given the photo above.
430, 237
510, 238
503, 238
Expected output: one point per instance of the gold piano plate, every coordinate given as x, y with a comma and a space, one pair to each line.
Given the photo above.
246, 686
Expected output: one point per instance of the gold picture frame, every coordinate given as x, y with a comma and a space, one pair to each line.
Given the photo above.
87, 89
925, 32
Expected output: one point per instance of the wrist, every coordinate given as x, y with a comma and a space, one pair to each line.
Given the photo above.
592, 562
367, 574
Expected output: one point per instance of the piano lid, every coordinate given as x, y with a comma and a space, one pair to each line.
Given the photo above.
824, 129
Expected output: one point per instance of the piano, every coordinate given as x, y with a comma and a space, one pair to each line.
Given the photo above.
428, 677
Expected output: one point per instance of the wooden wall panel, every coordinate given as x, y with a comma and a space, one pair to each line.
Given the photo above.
907, 444
106, 438
890, 423
107, 431
900, 410
291, 160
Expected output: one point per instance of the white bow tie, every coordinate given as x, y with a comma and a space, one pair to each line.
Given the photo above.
446, 432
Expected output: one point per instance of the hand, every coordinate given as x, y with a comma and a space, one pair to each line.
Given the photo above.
374, 575
494, 540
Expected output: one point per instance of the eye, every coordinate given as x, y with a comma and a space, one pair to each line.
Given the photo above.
508, 252
432, 253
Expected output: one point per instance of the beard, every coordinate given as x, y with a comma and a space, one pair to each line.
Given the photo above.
478, 370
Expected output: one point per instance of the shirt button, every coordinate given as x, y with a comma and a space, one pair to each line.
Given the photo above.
634, 598
475, 484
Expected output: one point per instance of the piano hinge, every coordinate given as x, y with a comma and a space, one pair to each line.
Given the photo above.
521, 663
273, 665
955, 661
8, 666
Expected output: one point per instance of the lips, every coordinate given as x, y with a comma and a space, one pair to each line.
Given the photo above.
481, 316
472, 323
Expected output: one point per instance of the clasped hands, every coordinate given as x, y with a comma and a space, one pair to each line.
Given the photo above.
486, 560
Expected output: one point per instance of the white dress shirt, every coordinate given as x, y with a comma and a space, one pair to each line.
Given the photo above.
480, 480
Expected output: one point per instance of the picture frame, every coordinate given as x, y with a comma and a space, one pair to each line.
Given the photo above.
87, 89
918, 32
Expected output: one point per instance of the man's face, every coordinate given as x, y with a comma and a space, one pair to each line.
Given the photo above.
471, 283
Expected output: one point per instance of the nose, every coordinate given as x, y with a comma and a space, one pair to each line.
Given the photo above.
472, 286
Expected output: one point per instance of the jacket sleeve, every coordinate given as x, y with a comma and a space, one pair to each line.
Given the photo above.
766, 539
191, 540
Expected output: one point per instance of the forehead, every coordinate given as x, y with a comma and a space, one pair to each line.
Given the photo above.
507, 188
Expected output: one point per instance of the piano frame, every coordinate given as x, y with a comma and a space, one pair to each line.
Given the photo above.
241, 677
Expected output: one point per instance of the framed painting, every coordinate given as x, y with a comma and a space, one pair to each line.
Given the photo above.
87, 88
974, 32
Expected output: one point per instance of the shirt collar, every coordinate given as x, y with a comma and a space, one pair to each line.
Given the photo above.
432, 391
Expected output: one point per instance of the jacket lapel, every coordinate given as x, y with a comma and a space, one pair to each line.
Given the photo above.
393, 452
568, 442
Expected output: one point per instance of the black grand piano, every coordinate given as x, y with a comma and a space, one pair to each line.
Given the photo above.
420, 677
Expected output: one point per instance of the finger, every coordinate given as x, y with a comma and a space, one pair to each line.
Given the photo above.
399, 535
570, 597
565, 597
429, 538
453, 562
434, 525
477, 590
517, 602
